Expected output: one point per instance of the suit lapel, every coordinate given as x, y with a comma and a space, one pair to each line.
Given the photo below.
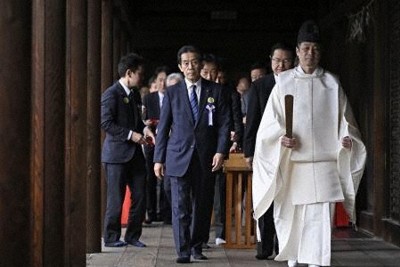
121, 90
123, 96
204, 94
135, 110
156, 104
131, 106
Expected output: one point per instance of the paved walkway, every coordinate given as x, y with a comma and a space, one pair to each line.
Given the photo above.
348, 249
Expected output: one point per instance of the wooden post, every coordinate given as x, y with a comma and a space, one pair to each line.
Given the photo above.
93, 238
237, 200
48, 133
228, 211
15, 104
76, 134
116, 45
106, 76
249, 224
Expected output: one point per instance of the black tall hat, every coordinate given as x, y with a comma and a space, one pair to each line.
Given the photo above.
309, 32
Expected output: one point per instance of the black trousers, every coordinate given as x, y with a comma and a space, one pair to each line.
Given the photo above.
151, 184
268, 234
222, 200
154, 200
133, 175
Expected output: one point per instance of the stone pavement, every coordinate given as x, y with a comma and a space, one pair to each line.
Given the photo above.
349, 249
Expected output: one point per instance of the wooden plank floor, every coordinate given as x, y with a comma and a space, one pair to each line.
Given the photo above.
349, 249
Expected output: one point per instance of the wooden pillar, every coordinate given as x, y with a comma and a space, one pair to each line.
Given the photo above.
124, 43
384, 224
93, 238
76, 133
388, 45
15, 104
116, 45
48, 127
106, 44
378, 126
106, 69
379, 131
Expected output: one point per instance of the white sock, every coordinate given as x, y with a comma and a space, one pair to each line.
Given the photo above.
292, 263
313, 265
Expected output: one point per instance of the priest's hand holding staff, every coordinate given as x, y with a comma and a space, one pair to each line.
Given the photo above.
287, 140
347, 142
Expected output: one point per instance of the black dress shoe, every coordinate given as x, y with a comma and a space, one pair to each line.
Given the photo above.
136, 243
148, 221
183, 260
263, 257
158, 218
199, 256
115, 244
204, 245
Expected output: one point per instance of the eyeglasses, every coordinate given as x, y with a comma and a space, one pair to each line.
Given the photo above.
279, 61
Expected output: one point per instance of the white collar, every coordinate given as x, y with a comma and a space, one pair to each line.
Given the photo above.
189, 84
299, 73
127, 90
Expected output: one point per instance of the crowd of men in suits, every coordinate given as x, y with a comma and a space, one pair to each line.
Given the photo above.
175, 154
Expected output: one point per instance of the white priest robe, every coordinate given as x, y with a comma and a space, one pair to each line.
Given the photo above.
304, 181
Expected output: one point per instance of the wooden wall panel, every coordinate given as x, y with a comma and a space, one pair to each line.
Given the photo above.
48, 126
15, 104
392, 216
76, 133
106, 70
93, 238
117, 28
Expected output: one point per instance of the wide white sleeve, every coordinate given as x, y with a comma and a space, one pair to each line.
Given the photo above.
267, 154
351, 162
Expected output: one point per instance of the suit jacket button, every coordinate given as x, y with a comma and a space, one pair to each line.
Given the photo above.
192, 146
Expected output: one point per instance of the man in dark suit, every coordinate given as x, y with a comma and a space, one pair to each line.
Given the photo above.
192, 141
209, 71
122, 154
151, 115
281, 59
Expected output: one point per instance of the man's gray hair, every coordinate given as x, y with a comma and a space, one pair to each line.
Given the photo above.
175, 76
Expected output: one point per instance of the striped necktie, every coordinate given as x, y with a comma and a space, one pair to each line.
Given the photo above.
194, 104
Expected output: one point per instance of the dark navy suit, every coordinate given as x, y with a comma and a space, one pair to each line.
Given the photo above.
123, 162
258, 95
187, 149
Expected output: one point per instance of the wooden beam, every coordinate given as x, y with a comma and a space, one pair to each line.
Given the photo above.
76, 134
15, 116
106, 75
48, 117
93, 226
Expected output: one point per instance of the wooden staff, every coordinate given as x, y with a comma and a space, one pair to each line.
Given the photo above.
289, 115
